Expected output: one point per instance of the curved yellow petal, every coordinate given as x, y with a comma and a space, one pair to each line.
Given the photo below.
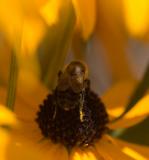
4, 141
110, 34
6, 116
22, 24
136, 16
89, 153
135, 151
30, 131
117, 97
109, 149
26, 108
28, 100
10, 17
33, 31
50, 11
86, 16
53, 151
138, 113
21, 149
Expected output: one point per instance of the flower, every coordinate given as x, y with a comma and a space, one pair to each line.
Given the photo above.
26, 108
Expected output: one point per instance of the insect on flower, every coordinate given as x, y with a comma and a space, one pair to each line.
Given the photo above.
73, 114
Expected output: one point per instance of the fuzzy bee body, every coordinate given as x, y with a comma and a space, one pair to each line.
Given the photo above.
73, 114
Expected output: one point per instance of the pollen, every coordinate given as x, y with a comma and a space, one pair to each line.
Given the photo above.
62, 120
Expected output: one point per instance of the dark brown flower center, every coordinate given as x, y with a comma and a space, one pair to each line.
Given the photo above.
62, 119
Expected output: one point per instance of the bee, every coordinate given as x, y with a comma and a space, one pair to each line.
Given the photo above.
72, 83
73, 77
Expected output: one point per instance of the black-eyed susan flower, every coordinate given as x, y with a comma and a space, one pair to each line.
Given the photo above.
90, 143
71, 122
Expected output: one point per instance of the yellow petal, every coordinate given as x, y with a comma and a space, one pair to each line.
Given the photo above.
21, 149
86, 16
6, 116
30, 131
11, 17
135, 151
138, 113
28, 101
33, 30
26, 108
53, 151
4, 141
109, 149
136, 16
117, 97
50, 11
89, 153
110, 34
21, 23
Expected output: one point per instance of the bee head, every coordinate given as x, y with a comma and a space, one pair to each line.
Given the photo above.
73, 76
77, 72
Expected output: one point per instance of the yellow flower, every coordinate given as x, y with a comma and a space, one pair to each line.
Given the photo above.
26, 108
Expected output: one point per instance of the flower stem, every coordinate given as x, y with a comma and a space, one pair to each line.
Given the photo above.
11, 93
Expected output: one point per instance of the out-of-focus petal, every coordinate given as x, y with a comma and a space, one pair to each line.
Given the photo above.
86, 16
33, 30
136, 16
28, 73
31, 97
117, 97
109, 149
10, 18
138, 113
6, 116
26, 107
50, 11
4, 141
85, 154
135, 151
22, 24
21, 149
111, 34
